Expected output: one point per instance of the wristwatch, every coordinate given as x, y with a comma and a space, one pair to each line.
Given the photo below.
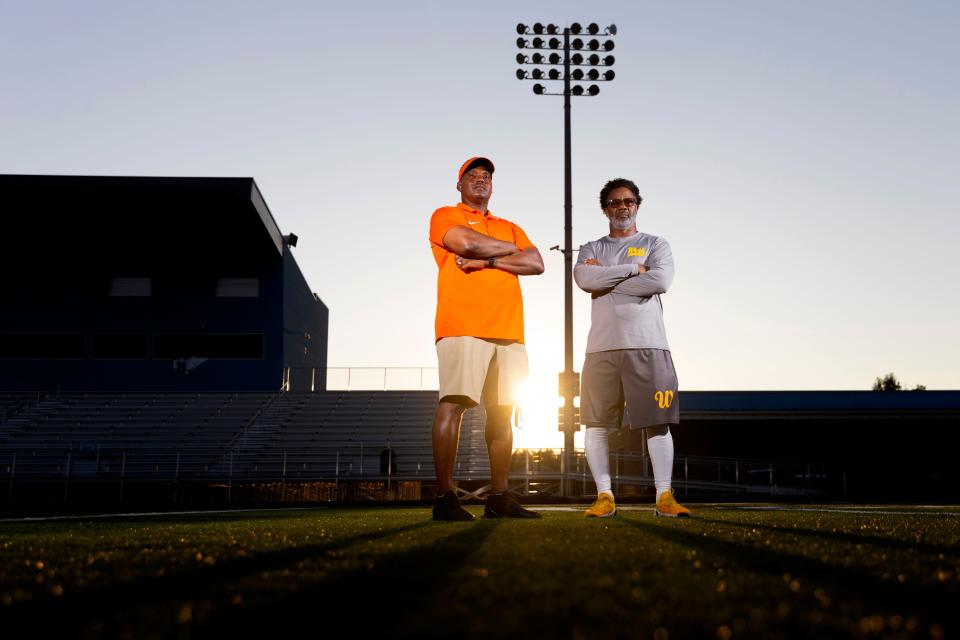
491, 262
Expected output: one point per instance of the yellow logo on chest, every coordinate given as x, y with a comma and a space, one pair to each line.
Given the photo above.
636, 252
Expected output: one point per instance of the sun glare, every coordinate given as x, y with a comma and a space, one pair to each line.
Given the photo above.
536, 425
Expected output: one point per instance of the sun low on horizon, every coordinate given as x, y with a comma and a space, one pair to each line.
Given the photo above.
536, 426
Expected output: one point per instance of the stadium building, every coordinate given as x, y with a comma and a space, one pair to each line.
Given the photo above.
152, 284
868, 444
158, 343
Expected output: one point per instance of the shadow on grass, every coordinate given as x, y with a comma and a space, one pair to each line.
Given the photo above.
101, 602
851, 584
843, 536
399, 595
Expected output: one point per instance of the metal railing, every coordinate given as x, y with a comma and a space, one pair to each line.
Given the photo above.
383, 379
532, 471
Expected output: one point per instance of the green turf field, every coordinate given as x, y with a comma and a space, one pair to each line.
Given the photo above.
730, 572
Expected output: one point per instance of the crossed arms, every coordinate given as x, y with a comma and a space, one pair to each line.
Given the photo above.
627, 279
473, 249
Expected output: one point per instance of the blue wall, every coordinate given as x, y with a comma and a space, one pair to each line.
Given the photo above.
79, 233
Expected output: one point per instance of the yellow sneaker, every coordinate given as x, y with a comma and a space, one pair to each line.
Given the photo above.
604, 507
669, 507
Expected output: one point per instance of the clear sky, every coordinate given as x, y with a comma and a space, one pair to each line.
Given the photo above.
801, 158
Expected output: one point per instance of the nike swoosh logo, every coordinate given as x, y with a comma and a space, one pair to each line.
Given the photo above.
473, 222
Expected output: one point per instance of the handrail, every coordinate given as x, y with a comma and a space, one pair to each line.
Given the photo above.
379, 379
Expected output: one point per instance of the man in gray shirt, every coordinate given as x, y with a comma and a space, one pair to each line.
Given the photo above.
628, 358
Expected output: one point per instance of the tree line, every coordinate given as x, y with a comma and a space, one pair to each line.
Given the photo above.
889, 382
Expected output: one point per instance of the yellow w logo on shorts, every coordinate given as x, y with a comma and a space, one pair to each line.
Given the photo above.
636, 251
664, 398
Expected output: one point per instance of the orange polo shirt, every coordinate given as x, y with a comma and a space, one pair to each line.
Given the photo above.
483, 304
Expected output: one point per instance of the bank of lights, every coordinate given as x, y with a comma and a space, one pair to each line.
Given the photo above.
564, 51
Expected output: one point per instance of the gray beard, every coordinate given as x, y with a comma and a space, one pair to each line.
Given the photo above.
622, 224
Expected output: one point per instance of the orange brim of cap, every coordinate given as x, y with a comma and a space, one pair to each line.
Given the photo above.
473, 160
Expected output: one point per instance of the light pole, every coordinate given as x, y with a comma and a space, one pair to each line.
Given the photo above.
589, 48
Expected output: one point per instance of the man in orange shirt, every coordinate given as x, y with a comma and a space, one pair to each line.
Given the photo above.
479, 331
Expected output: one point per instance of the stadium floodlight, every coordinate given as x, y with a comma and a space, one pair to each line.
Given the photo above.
566, 52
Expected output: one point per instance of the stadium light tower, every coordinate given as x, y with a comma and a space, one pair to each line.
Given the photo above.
587, 52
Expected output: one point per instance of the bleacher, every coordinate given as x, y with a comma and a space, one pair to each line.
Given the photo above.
343, 434
230, 436
321, 442
102, 434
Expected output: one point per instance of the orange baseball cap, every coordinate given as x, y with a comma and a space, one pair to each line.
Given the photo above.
466, 166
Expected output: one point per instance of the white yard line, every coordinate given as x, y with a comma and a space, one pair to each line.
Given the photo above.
925, 510
141, 514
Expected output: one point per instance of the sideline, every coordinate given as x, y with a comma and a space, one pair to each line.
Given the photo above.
919, 510
904, 510
141, 514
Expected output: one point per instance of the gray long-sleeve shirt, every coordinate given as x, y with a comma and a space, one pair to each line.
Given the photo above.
626, 312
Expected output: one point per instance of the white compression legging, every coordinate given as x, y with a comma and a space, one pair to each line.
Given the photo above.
660, 447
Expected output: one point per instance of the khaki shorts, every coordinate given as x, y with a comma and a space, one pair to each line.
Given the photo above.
481, 370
